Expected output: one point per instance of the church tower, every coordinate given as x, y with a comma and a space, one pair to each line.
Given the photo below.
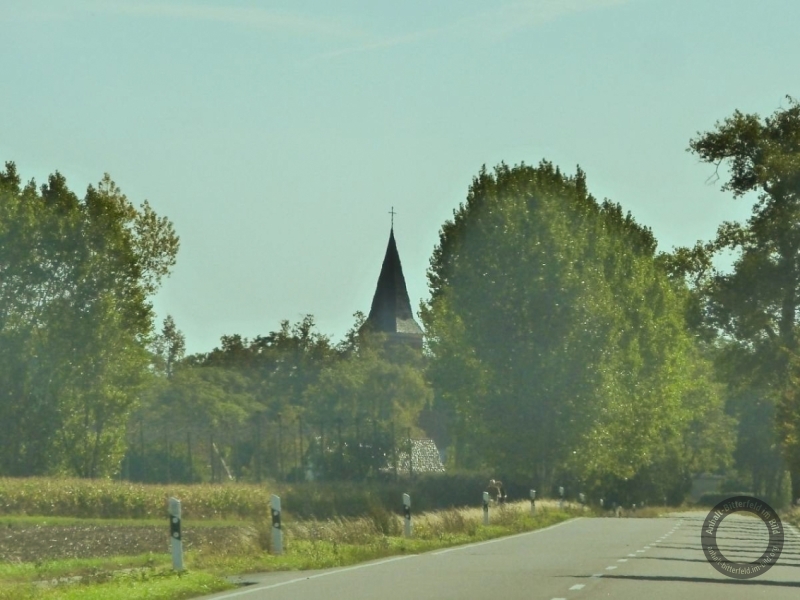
391, 312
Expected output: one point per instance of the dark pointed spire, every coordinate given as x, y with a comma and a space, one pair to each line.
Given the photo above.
391, 309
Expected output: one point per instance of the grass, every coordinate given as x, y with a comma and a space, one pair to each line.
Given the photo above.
792, 516
310, 544
74, 567
152, 584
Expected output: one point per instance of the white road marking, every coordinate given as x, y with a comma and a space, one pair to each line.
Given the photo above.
597, 575
559, 599
500, 539
647, 547
383, 562
631, 555
317, 576
611, 568
640, 550
577, 586
622, 560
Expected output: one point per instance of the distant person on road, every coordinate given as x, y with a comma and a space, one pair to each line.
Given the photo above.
497, 491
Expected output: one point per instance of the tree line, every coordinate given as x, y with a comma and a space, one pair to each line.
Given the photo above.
561, 347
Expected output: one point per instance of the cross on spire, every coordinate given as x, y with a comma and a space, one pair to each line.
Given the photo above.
391, 212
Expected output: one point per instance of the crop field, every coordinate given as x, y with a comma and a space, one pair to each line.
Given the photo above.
63, 539
107, 499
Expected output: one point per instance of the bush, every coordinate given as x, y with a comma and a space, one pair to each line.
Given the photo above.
714, 498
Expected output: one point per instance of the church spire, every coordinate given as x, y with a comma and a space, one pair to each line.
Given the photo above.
391, 309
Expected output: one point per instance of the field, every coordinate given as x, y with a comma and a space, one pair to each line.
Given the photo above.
106, 540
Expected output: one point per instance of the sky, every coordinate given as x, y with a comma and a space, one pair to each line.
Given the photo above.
277, 136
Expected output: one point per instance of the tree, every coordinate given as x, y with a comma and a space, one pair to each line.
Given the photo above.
182, 416
75, 277
169, 346
755, 306
276, 370
372, 382
555, 334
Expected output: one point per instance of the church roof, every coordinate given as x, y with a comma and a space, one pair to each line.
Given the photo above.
391, 308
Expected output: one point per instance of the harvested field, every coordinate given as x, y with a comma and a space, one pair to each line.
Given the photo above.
35, 543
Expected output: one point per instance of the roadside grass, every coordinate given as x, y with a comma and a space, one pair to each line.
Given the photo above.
792, 516
341, 542
78, 567
646, 512
310, 544
157, 584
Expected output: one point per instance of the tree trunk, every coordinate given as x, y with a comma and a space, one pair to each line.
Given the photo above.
795, 474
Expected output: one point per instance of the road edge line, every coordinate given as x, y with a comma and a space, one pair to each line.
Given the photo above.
500, 539
258, 588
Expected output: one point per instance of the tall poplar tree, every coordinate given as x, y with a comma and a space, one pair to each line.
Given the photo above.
556, 336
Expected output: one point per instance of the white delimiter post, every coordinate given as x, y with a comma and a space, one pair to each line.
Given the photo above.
533, 502
175, 533
485, 508
407, 515
277, 532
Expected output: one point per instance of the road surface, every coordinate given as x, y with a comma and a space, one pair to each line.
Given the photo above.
581, 559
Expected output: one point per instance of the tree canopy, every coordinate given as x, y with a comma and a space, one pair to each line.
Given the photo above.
75, 320
559, 339
752, 308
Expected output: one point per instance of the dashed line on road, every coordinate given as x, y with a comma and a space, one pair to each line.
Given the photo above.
640, 551
577, 586
611, 568
622, 560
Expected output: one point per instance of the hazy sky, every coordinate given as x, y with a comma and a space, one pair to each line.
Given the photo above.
277, 135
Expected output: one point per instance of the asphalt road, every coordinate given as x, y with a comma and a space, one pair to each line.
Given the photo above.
620, 558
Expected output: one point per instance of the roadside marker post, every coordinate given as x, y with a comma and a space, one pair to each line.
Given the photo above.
277, 532
407, 515
561, 496
175, 533
533, 502
485, 508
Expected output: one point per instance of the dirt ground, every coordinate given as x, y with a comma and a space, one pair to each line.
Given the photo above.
33, 543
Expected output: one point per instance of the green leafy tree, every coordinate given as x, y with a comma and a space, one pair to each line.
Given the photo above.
754, 307
169, 347
374, 382
197, 413
75, 277
556, 335
276, 370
